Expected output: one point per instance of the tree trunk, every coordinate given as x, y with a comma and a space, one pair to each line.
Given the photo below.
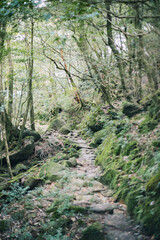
10, 85
112, 45
29, 95
32, 122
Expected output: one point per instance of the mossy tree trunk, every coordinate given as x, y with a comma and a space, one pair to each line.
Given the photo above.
112, 45
10, 84
2, 106
29, 105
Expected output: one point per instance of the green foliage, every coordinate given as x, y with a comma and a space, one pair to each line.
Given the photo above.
16, 192
93, 232
147, 125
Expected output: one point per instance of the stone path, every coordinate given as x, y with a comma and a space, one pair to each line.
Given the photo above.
97, 198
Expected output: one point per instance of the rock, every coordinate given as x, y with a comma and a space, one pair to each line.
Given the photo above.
72, 162
52, 171
130, 109
118, 221
19, 155
19, 168
34, 134
56, 124
118, 235
102, 208
93, 232
4, 225
64, 130
33, 182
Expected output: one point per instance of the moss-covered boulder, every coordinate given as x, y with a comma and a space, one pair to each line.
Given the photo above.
56, 124
30, 133
72, 162
130, 109
23, 153
19, 168
98, 138
93, 232
4, 225
52, 171
64, 130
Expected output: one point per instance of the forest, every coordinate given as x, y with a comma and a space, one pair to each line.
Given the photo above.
80, 119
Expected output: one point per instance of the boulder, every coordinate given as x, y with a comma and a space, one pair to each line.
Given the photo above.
72, 162
30, 133
93, 232
20, 154
56, 124
64, 130
52, 171
130, 109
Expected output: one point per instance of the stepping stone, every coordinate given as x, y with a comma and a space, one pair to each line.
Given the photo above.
118, 221
118, 235
102, 208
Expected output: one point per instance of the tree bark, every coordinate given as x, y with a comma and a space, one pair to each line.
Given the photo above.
112, 45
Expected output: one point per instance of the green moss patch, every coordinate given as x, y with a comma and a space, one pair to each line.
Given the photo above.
93, 232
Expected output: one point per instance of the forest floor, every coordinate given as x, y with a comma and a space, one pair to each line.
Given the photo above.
34, 216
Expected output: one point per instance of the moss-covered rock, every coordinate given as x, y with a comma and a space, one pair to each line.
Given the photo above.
4, 225
72, 162
23, 153
30, 133
98, 138
130, 109
64, 130
56, 124
52, 171
93, 232
19, 168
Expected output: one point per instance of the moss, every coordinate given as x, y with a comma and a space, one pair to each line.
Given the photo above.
105, 148
150, 218
129, 147
154, 184
93, 232
4, 225
72, 162
94, 121
56, 124
98, 138
156, 143
78, 209
132, 200
18, 215
130, 109
108, 176
147, 125
52, 171
19, 168
64, 130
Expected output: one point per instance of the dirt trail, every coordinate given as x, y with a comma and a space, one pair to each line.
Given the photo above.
90, 193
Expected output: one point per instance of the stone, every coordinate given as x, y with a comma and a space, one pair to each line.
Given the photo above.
118, 221
64, 130
52, 171
19, 155
102, 208
93, 232
130, 109
34, 134
72, 162
118, 235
